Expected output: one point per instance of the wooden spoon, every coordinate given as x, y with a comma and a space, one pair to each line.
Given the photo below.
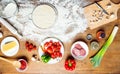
15, 63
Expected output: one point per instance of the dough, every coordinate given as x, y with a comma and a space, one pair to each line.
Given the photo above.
44, 16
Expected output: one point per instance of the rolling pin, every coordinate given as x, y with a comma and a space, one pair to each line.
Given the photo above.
11, 28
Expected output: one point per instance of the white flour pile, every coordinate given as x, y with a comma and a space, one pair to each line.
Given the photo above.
10, 10
70, 21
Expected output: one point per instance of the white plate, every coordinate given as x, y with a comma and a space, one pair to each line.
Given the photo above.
83, 45
56, 60
12, 51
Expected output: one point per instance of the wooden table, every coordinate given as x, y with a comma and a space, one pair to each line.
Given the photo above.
109, 64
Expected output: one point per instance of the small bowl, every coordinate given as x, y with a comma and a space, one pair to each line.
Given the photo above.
35, 21
25, 62
79, 50
6, 4
41, 52
12, 51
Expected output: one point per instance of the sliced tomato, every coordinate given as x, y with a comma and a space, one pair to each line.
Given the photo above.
53, 48
53, 56
49, 50
46, 44
27, 44
60, 54
58, 44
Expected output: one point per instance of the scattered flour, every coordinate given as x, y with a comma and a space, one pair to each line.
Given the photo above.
70, 21
10, 10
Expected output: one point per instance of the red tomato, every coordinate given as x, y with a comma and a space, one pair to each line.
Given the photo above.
60, 54
27, 44
55, 43
31, 46
53, 56
50, 43
34, 47
55, 53
58, 44
49, 50
46, 44
53, 48
23, 64
29, 49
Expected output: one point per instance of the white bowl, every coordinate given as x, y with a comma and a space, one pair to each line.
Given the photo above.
52, 61
44, 15
19, 70
12, 51
84, 46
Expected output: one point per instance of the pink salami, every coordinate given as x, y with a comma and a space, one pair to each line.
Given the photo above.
78, 46
78, 50
82, 52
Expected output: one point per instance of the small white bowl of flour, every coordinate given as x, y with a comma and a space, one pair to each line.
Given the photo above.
8, 8
44, 15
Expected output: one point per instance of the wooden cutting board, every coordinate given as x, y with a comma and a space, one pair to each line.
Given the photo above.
96, 17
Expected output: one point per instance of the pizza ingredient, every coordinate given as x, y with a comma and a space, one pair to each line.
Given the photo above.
95, 60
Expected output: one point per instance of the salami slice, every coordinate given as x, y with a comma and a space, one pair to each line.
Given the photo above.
78, 50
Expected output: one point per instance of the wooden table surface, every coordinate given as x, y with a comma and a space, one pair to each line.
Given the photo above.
109, 64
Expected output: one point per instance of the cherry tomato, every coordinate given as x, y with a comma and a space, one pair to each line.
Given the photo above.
27, 44
34, 47
49, 50
30, 46
52, 55
46, 44
60, 54
53, 48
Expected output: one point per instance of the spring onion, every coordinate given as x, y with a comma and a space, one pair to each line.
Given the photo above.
95, 60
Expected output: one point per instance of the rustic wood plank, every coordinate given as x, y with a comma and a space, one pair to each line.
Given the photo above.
94, 16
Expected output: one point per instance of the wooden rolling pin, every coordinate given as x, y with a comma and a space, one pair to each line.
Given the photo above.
15, 63
11, 28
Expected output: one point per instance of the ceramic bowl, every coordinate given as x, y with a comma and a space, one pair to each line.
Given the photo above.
79, 50
22, 70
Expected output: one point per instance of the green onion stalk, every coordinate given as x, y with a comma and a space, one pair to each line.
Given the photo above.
95, 60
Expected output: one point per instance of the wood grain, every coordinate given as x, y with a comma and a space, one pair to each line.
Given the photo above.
109, 64
92, 13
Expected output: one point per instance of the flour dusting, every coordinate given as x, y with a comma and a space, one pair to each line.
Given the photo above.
69, 23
